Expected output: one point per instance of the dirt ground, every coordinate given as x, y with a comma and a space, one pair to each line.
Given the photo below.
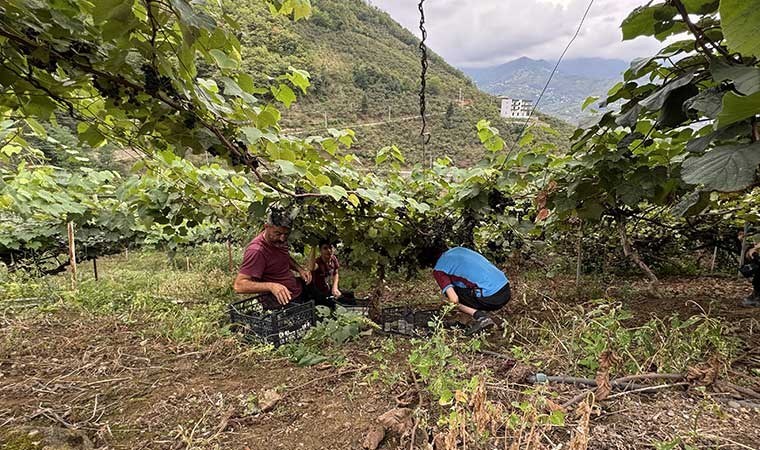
114, 384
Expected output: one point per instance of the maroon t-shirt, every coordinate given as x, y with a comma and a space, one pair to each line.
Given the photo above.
269, 263
323, 273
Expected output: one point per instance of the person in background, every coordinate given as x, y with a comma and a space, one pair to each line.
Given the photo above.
751, 269
268, 269
326, 274
469, 281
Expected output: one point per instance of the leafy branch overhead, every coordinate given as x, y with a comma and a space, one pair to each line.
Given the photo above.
163, 79
683, 119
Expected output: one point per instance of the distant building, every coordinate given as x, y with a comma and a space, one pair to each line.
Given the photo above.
513, 108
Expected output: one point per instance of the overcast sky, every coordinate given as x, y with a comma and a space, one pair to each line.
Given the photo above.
477, 33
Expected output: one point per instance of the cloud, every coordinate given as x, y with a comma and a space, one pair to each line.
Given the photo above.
489, 32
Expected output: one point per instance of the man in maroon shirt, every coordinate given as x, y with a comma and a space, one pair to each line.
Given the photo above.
268, 267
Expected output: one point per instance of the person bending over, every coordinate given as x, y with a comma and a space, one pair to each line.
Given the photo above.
468, 280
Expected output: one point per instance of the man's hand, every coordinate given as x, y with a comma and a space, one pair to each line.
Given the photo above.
336, 293
281, 293
305, 274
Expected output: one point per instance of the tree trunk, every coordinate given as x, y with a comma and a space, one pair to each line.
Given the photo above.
712, 263
632, 253
579, 261
377, 294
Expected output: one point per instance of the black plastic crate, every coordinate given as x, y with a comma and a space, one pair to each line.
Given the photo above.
359, 307
407, 320
276, 327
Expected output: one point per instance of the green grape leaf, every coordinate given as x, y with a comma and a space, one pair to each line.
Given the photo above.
589, 101
656, 100
701, 7
746, 79
644, 20
336, 192
222, 60
692, 204
737, 108
284, 94
728, 168
739, 20
708, 103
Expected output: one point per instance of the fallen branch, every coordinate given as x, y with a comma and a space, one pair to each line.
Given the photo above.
648, 389
626, 384
744, 403
743, 390
579, 381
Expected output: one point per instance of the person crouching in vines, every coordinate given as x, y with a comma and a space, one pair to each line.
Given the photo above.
325, 273
267, 267
468, 280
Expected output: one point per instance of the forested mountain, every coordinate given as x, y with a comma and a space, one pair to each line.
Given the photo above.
365, 68
575, 80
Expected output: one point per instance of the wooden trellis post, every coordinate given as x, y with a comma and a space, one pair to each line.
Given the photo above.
72, 255
229, 255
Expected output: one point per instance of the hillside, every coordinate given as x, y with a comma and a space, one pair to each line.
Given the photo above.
575, 80
365, 67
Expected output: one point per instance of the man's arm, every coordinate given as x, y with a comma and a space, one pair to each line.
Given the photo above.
305, 274
335, 291
244, 284
451, 294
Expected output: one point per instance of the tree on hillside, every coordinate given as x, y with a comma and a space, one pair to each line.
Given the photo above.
449, 117
364, 106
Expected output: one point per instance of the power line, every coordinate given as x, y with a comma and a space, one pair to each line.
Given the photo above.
546, 86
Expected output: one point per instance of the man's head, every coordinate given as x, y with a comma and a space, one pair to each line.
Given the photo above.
428, 254
326, 248
278, 223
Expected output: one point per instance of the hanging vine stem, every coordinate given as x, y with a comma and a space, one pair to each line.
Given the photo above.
424, 64
701, 38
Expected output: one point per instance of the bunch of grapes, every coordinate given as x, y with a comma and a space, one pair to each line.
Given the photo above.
498, 202
155, 82
106, 88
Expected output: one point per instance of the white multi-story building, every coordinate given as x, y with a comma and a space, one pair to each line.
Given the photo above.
513, 108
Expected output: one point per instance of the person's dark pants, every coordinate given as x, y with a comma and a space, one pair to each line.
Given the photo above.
469, 297
308, 292
748, 272
346, 298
